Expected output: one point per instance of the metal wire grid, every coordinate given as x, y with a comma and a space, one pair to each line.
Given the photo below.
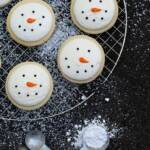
66, 96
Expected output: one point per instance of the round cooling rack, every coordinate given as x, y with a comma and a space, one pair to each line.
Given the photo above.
66, 96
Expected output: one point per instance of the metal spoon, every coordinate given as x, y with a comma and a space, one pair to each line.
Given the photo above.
35, 140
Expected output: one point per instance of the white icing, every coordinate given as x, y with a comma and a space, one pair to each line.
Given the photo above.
4, 2
95, 138
101, 19
69, 51
29, 70
40, 31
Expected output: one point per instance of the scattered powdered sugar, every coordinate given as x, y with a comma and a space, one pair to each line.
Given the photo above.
107, 99
94, 127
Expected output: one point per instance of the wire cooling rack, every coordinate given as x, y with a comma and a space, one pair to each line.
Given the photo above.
66, 96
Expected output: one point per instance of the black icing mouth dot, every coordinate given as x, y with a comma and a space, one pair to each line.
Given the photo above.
24, 30
68, 67
23, 75
92, 66
77, 71
28, 95
40, 85
66, 58
82, 12
19, 26
22, 14
89, 51
43, 17
106, 11
32, 30
94, 20
40, 24
100, 1
86, 18
19, 93
102, 18
36, 93
85, 71
16, 86
33, 11
78, 49
35, 75
90, 0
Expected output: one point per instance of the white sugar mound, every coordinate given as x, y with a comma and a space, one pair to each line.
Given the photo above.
95, 138
93, 135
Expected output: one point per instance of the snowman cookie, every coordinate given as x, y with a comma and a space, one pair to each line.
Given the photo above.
4, 3
94, 16
31, 22
29, 85
81, 59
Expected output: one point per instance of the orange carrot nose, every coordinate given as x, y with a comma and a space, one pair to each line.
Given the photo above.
31, 84
96, 9
83, 60
31, 20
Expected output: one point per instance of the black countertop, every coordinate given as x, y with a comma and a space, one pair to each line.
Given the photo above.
128, 89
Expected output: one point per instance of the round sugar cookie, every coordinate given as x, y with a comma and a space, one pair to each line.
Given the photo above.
81, 59
94, 16
4, 3
31, 22
29, 85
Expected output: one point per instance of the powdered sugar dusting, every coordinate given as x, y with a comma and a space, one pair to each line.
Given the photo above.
98, 122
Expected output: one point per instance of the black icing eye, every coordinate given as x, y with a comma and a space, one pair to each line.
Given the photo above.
85, 71
86, 18
102, 18
100, 1
36, 93
92, 66
23, 75
35, 75
16, 86
24, 30
89, 51
77, 71
19, 93
68, 67
82, 12
106, 11
66, 58
90, 0
28, 95
40, 24
22, 14
19, 26
78, 49
40, 85
32, 30
33, 11
43, 17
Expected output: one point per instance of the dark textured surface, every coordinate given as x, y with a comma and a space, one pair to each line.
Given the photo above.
128, 90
